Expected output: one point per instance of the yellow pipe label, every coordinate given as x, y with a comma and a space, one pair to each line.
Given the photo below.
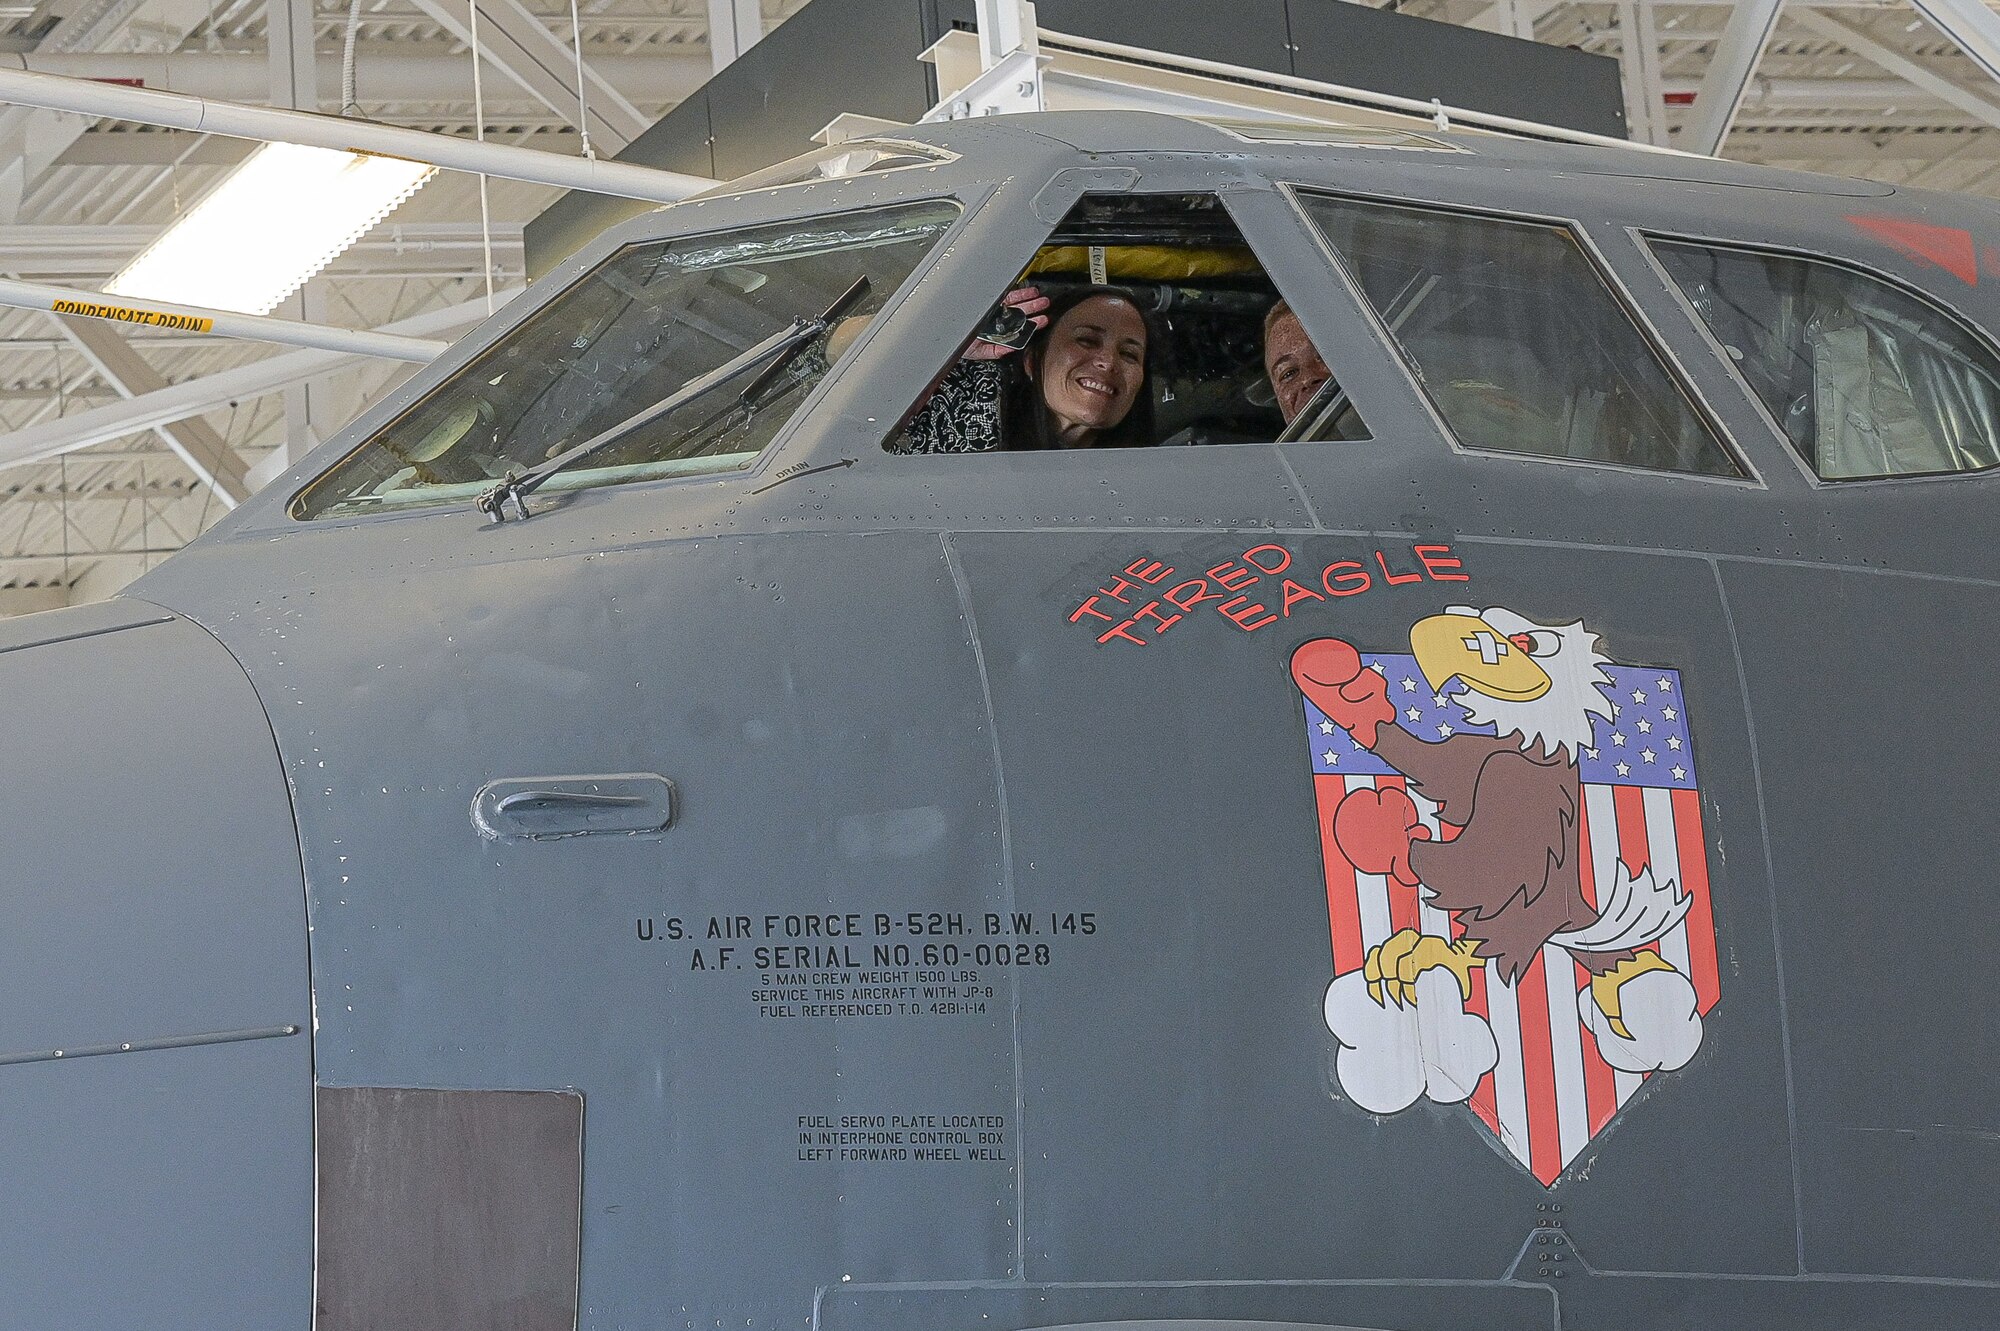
188, 323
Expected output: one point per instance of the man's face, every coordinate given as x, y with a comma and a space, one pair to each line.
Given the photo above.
1293, 363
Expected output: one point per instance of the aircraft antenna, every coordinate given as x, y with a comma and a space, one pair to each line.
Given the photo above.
479, 133
582, 106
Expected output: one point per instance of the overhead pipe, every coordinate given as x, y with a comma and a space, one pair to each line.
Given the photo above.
381, 76
1816, 94
101, 425
204, 115
47, 248
225, 323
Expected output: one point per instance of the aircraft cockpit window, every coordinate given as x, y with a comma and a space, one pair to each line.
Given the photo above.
644, 324
1866, 380
1516, 338
1143, 319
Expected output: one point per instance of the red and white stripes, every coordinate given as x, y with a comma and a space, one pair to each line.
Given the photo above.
1551, 1091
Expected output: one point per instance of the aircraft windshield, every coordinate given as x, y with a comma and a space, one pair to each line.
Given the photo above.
1516, 338
1865, 380
650, 319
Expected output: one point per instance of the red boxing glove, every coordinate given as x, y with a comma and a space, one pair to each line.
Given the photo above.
1328, 671
1374, 829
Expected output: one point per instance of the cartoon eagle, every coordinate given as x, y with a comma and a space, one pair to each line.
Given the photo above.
1505, 861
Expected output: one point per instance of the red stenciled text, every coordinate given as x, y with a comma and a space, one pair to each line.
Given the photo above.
1258, 588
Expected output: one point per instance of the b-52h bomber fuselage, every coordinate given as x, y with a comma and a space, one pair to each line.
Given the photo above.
1510, 853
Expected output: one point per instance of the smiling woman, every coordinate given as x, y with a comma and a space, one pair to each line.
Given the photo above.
1088, 369
1081, 381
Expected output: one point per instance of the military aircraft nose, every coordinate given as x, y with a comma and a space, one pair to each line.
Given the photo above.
154, 947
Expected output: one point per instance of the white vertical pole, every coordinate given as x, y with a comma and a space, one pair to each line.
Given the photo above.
734, 26
295, 84
1722, 88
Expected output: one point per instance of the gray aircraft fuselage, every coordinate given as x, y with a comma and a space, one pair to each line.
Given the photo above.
979, 978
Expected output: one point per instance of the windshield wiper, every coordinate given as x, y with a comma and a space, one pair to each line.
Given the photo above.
780, 348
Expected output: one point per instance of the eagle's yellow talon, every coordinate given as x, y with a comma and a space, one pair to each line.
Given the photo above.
1604, 988
1393, 966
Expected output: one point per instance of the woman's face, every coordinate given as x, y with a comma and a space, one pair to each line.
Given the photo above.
1094, 366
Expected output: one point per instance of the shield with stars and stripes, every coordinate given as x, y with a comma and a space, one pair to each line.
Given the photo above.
1551, 1091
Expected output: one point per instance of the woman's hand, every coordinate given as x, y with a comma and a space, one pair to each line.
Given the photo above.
1029, 302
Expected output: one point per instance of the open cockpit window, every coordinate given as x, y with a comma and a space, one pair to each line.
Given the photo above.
1143, 319
643, 325
1866, 380
1516, 338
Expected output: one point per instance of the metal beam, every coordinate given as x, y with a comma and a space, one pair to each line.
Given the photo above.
734, 26
87, 392
409, 72
112, 143
206, 452
95, 305
513, 41
1715, 106
81, 494
209, 116
165, 491
1902, 66
1095, 66
28, 600
1511, 18
1974, 27
124, 147
1871, 94
102, 424
86, 256
1950, 163
25, 139
120, 241
1639, 73
293, 72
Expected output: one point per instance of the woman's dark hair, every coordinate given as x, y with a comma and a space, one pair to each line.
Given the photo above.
1025, 416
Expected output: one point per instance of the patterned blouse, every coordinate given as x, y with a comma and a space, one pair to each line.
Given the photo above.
962, 416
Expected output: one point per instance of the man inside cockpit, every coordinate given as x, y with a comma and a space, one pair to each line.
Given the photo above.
1291, 360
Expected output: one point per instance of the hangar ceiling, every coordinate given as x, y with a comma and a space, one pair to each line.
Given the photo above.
1869, 88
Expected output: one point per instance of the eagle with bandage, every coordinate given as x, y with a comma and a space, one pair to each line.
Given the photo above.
1503, 860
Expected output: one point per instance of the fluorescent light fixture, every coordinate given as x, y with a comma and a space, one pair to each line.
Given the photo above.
284, 214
